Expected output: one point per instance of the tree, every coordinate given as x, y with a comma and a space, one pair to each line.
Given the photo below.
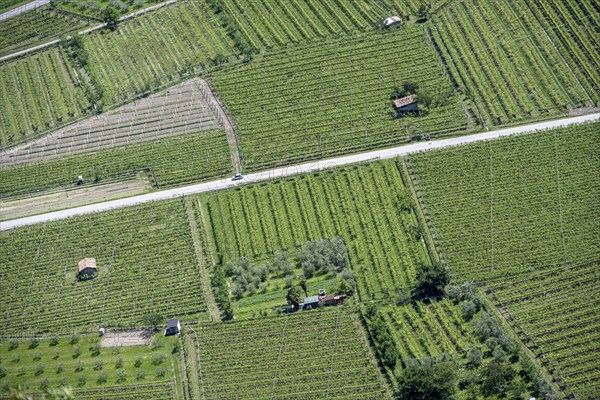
110, 16
431, 280
423, 13
294, 297
152, 321
496, 376
303, 285
427, 381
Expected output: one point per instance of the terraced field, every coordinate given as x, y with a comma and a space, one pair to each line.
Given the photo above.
516, 60
367, 206
145, 257
36, 27
321, 353
520, 215
37, 93
289, 108
181, 109
126, 62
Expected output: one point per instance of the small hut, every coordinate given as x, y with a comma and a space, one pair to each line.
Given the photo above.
407, 104
392, 21
87, 268
173, 327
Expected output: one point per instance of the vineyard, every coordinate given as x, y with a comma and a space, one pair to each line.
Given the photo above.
168, 162
367, 206
36, 27
181, 109
37, 93
309, 354
520, 216
432, 329
520, 60
289, 108
126, 62
146, 264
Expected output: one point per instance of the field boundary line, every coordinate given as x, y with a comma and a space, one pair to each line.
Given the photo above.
283, 334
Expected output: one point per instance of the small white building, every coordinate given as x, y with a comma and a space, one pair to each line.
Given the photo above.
173, 327
392, 21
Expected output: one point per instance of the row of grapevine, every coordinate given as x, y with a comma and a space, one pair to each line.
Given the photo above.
432, 329
37, 26
146, 264
499, 55
37, 93
170, 161
520, 215
289, 108
149, 391
310, 354
181, 109
126, 62
276, 23
367, 206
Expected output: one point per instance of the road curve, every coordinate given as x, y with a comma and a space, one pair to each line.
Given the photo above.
23, 8
294, 170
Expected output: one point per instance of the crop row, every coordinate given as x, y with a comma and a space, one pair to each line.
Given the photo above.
169, 161
366, 206
429, 329
520, 215
289, 108
39, 25
497, 53
297, 356
37, 93
126, 62
146, 264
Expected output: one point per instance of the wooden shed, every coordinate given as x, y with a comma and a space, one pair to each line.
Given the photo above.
87, 268
392, 21
407, 104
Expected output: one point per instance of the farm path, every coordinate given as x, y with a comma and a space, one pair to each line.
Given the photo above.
217, 108
21, 9
297, 169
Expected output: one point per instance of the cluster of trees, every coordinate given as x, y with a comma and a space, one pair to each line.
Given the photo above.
466, 295
432, 279
248, 277
427, 98
318, 257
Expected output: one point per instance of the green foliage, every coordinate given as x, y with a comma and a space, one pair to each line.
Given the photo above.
294, 297
496, 377
153, 321
323, 256
110, 16
431, 280
381, 336
427, 380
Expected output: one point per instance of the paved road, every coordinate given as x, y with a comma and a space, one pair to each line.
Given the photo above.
23, 8
293, 170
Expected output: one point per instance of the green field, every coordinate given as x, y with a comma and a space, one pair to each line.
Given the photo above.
320, 353
169, 161
519, 215
126, 62
290, 108
146, 264
36, 27
37, 93
91, 370
368, 206
516, 61
8, 5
